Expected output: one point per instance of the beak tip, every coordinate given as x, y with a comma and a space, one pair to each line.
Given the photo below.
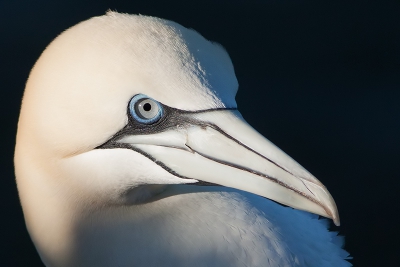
334, 215
336, 221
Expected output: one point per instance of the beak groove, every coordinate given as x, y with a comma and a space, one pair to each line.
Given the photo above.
270, 178
215, 127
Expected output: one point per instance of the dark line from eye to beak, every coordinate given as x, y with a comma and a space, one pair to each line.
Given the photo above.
180, 119
170, 111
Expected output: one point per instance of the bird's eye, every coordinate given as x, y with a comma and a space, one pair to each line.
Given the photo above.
145, 109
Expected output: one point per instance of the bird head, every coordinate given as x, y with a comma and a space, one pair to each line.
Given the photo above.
120, 106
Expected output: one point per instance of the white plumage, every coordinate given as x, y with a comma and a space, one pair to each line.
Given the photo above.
99, 188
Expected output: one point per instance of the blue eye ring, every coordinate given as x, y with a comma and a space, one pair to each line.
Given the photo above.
145, 109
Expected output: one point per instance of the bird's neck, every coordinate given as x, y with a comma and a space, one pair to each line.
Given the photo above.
49, 221
48, 208
186, 224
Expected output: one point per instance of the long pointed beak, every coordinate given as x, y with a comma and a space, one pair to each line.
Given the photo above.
219, 147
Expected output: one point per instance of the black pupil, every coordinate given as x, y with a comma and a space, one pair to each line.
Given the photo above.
147, 107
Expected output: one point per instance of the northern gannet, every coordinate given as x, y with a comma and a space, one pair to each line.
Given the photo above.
123, 118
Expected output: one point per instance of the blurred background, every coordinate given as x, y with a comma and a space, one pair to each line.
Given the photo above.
320, 79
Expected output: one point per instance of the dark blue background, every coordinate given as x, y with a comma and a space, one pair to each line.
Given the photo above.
321, 79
